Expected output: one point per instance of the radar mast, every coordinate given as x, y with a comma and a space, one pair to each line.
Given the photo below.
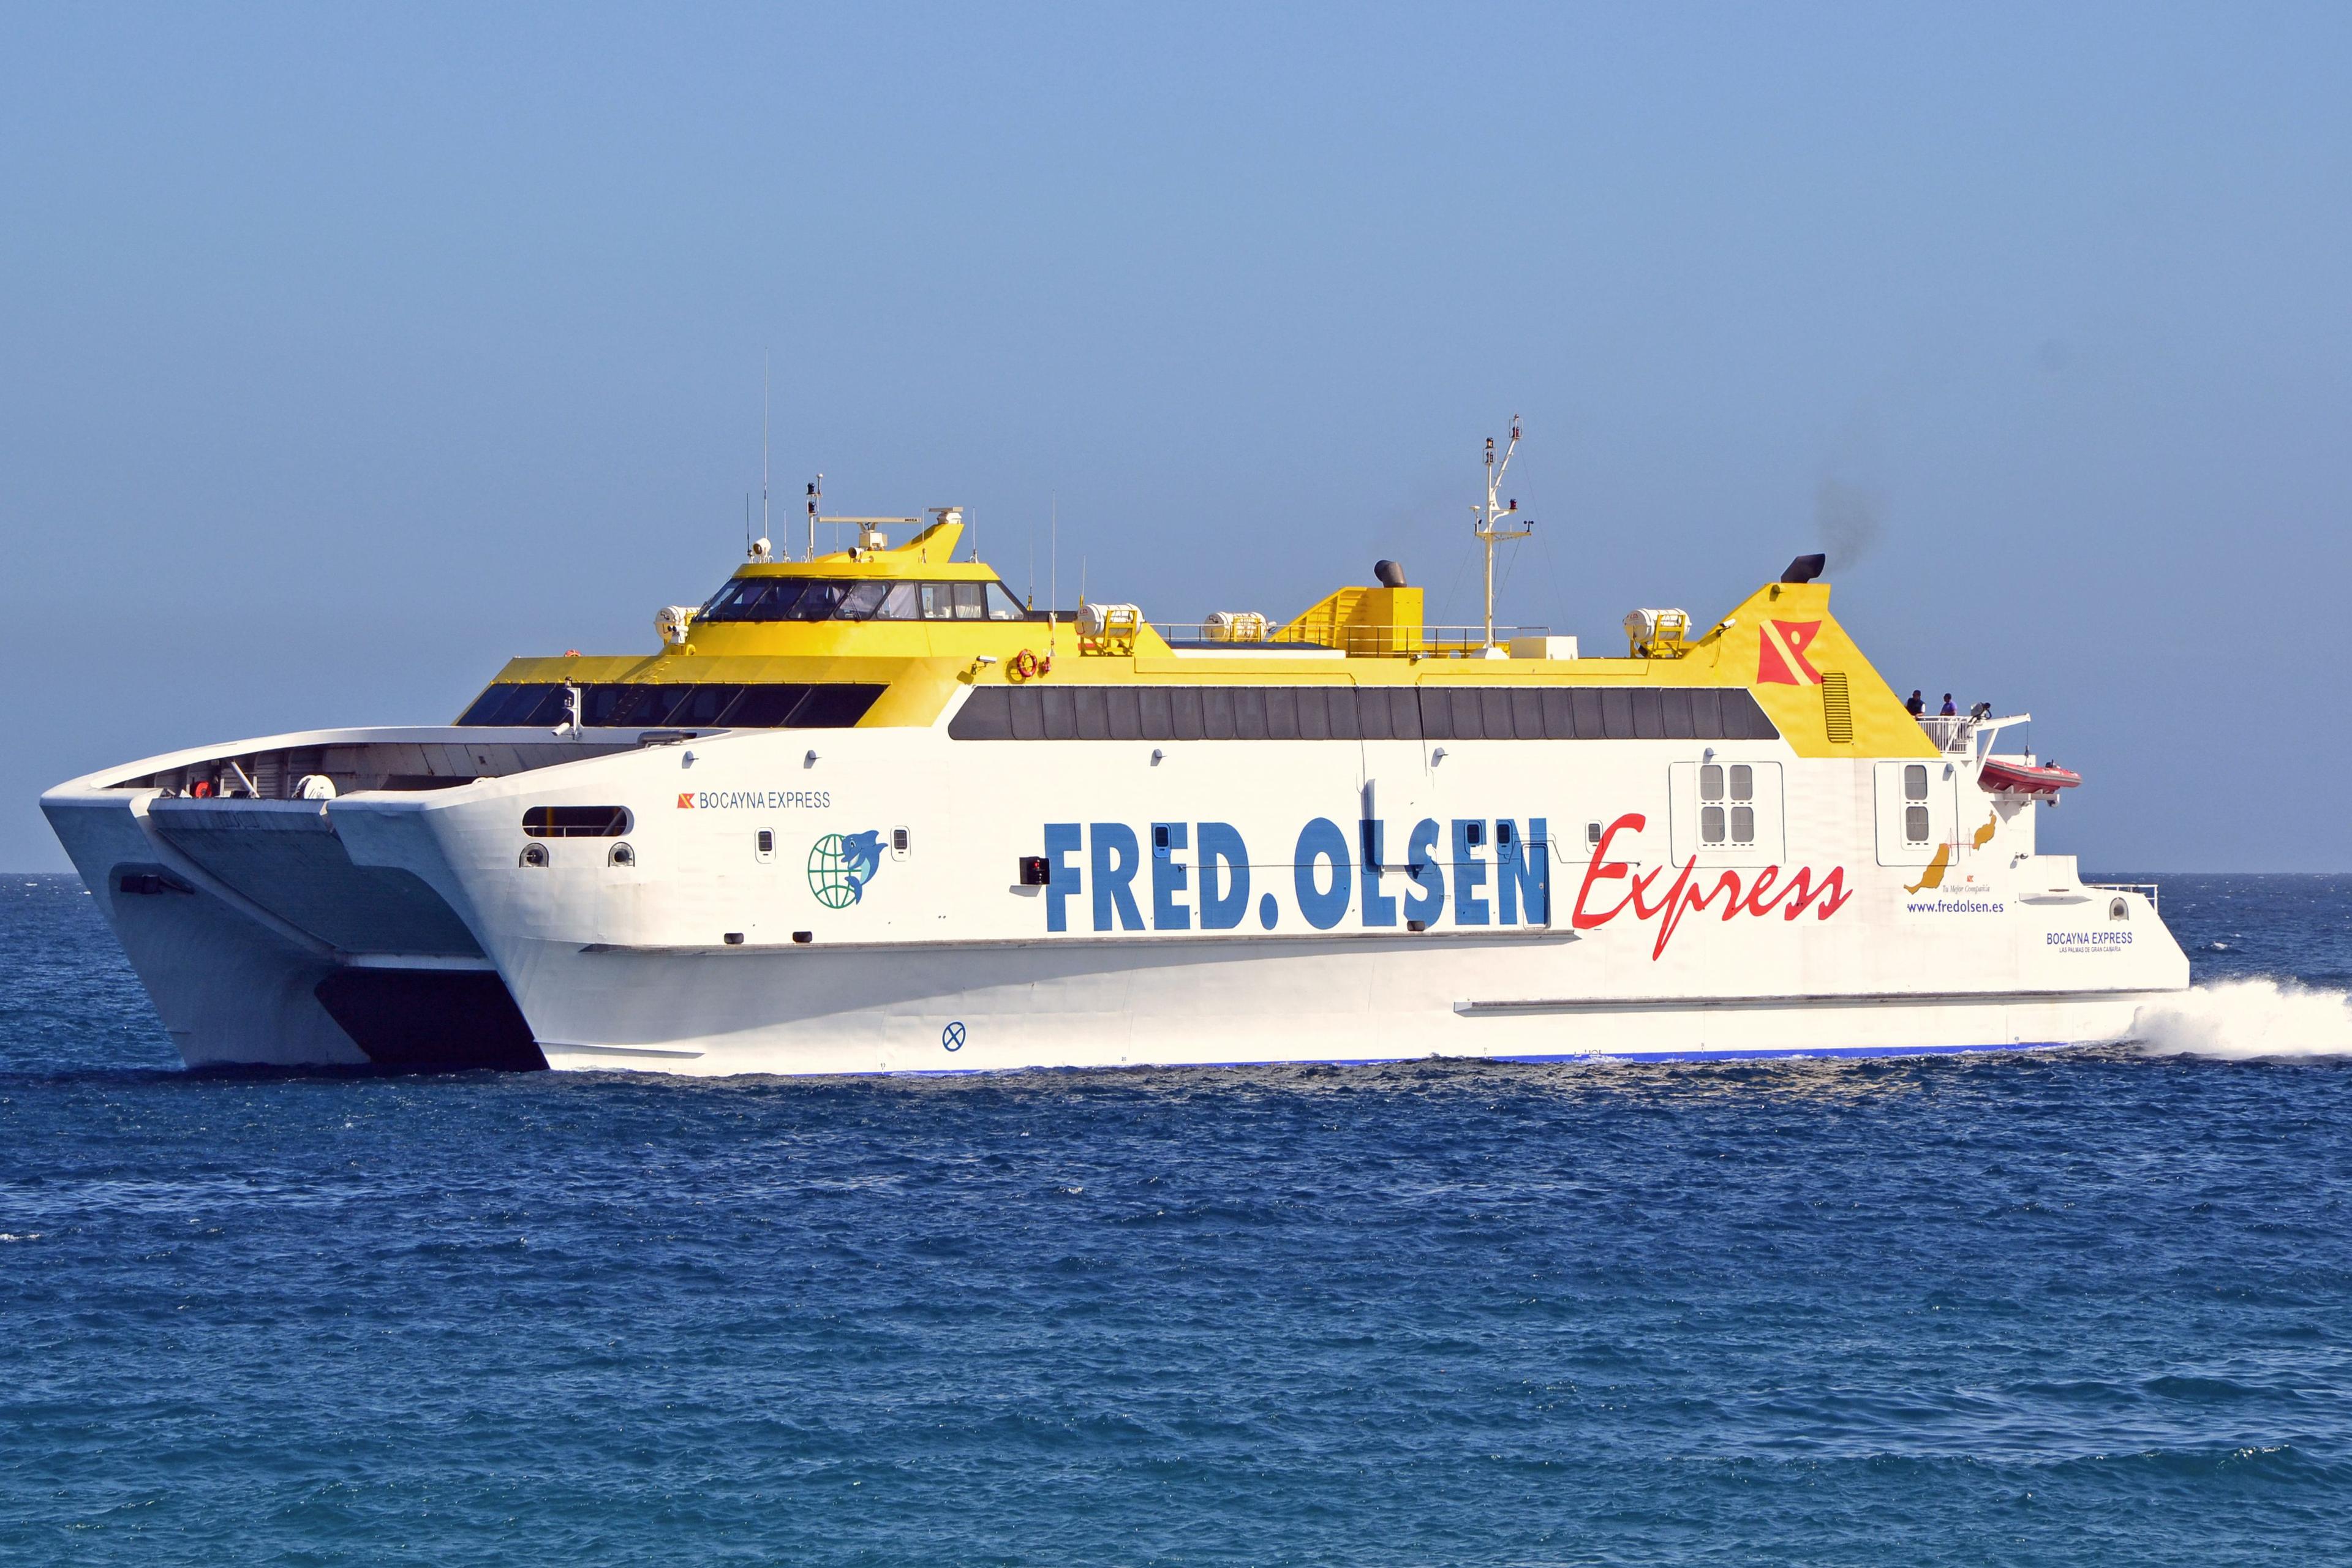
1490, 516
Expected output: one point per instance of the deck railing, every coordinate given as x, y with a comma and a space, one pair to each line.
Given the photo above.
1355, 641
2146, 889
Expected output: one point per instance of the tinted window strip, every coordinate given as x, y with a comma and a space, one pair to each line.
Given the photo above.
630, 705
1357, 713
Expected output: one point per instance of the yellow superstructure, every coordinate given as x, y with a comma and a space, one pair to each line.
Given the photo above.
1781, 644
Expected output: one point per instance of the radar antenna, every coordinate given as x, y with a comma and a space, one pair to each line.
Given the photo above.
1489, 516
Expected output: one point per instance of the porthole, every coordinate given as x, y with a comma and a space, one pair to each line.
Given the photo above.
622, 855
2119, 909
533, 855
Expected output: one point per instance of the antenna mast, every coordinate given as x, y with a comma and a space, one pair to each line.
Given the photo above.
816, 496
763, 445
1490, 515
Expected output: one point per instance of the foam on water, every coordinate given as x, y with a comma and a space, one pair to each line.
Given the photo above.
2256, 1016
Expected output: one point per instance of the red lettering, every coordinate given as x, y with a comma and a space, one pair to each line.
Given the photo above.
1801, 892
1759, 899
1602, 870
1685, 898
1645, 881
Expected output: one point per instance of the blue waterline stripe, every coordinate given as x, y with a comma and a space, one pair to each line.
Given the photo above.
1798, 1053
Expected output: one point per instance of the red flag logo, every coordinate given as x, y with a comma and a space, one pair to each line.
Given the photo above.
685, 800
1780, 653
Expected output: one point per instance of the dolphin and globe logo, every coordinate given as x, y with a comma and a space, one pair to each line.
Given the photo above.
841, 864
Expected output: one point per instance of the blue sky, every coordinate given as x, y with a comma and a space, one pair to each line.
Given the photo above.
344, 353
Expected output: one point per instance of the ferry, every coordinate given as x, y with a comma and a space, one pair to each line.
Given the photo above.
865, 810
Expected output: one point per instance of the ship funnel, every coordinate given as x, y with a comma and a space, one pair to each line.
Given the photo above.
1389, 574
1804, 569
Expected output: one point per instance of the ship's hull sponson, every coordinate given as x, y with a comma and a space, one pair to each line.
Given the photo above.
853, 900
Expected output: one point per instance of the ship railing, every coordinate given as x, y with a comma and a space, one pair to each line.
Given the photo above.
1357, 641
2145, 890
1966, 734
1952, 732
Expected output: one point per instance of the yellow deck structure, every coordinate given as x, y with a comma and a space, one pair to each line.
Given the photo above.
1781, 644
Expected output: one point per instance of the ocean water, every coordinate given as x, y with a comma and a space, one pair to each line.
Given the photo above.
2085, 1307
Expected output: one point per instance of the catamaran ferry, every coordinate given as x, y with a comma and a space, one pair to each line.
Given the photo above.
867, 811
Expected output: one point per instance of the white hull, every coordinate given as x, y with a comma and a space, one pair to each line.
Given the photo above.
339, 933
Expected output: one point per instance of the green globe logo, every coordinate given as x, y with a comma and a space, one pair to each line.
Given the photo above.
839, 868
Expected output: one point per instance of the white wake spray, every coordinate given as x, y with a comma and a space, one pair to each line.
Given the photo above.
2243, 1018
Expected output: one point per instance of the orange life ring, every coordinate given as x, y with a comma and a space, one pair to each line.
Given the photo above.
1025, 666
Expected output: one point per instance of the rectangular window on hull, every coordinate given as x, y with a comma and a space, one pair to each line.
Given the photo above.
1064, 712
712, 705
576, 821
1738, 825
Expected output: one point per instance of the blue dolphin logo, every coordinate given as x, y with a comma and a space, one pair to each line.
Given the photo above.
863, 852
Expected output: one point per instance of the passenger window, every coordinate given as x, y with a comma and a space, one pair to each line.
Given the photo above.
703, 704
1710, 825
903, 603
938, 600
763, 707
763, 844
1711, 783
1743, 825
967, 601
1743, 781
1915, 781
1915, 822
1003, 605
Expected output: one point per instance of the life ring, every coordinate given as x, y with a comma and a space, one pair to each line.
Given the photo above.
202, 789
1025, 665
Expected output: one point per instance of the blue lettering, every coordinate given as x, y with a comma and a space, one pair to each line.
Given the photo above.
1225, 893
1379, 909
1168, 876
1116, 859
1061, 841
1469, 875
1322, 840
1523, 869
1426, 902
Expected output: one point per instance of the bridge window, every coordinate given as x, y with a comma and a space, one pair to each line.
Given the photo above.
860, 599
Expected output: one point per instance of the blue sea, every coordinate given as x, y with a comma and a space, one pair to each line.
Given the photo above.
2083, 1307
